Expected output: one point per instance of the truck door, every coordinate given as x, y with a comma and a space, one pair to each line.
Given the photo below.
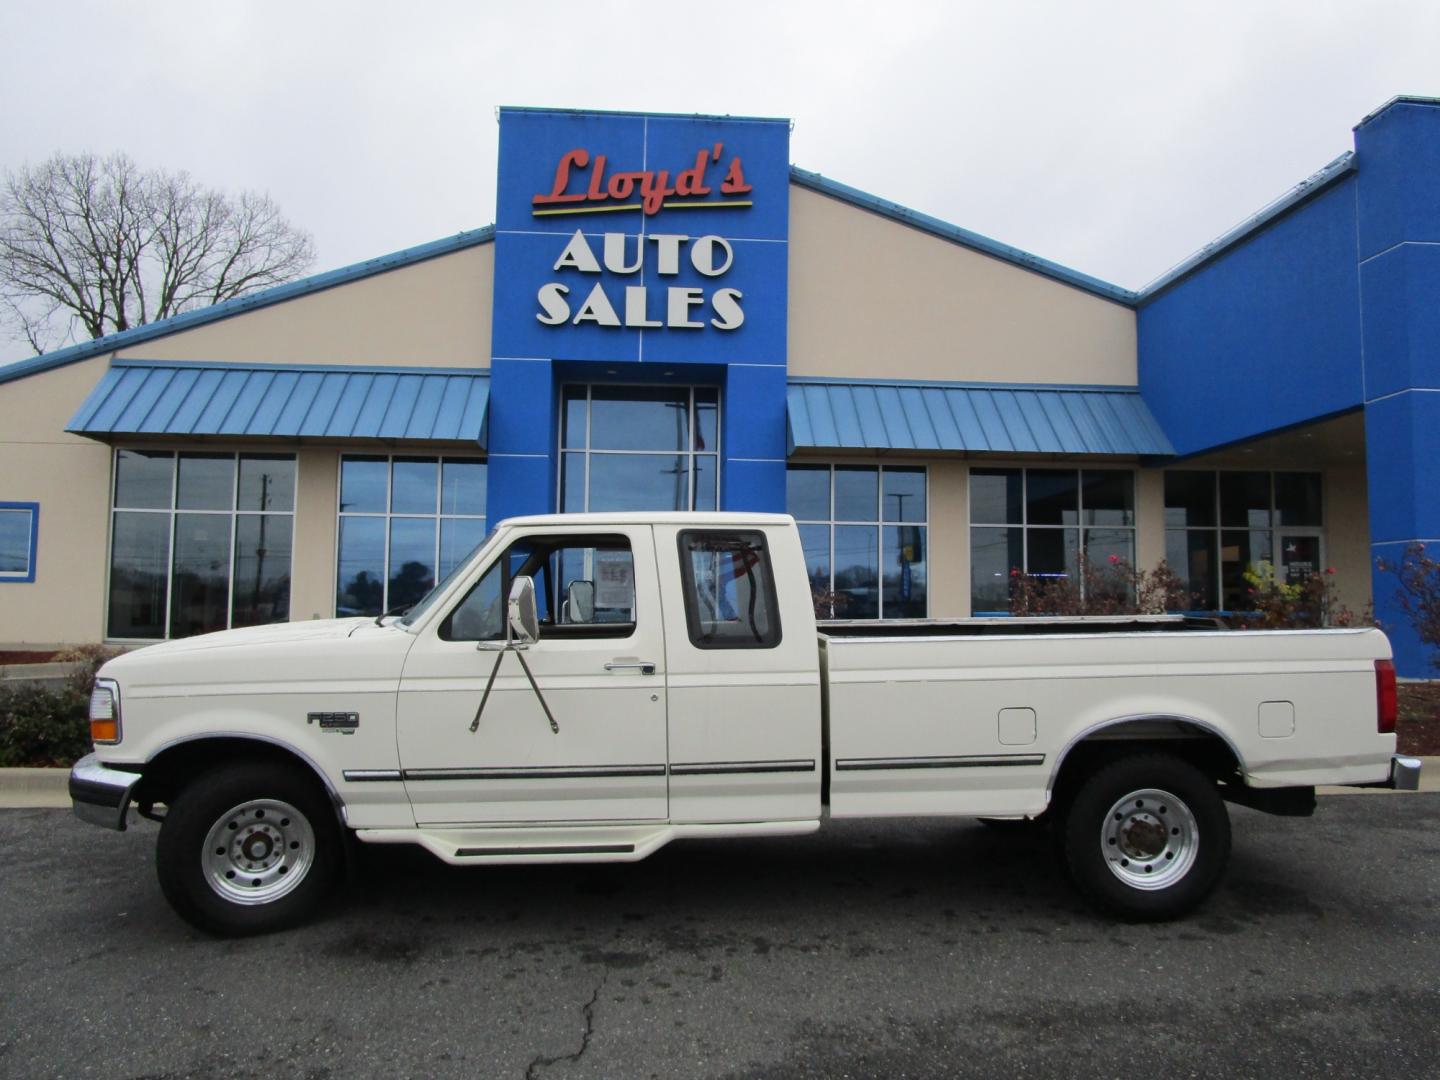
743, 680
600, 663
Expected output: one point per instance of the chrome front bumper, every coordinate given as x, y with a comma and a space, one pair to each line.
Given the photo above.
100, 794
1404, 773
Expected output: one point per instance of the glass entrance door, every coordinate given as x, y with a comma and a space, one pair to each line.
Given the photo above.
639, 448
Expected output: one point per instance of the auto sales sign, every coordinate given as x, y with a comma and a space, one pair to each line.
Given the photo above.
622, 237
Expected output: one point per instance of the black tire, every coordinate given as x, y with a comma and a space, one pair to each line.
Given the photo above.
249, 848
1146, 837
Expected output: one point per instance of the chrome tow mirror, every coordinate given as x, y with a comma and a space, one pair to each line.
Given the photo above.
522, 629
524, 622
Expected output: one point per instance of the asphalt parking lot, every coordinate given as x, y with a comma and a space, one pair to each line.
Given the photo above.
897, 949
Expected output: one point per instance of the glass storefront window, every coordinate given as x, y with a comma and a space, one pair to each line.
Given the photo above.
639, 448
1052, 518
405, 522
1219, 525
199, 542
863, 530
18, 525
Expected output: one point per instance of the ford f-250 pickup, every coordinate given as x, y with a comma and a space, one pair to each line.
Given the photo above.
589, 687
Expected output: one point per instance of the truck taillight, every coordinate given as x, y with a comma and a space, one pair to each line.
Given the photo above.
1386, 700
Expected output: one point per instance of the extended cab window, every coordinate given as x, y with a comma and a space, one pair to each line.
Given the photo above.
729, 590
584, 587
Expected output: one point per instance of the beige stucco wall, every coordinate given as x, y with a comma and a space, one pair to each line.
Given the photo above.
434, 313
1347, 533
312, 580
870, 297
70, 478
949, 564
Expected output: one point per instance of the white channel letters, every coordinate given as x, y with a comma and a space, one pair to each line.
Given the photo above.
711, 256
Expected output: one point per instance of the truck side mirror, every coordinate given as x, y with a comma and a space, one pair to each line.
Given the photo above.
580, 601
524, 622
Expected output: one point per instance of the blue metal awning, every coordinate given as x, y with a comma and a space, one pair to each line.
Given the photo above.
145, 397
977, 419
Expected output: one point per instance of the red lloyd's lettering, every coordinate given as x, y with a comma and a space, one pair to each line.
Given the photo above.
653, 186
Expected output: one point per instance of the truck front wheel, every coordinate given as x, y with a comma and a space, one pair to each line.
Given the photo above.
248, 848
1146, 837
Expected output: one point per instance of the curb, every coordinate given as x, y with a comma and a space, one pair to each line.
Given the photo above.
29, 789
32, 788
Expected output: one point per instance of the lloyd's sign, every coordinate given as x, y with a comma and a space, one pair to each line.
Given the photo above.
644, 238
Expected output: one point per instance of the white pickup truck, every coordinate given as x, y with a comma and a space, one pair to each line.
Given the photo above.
589, 687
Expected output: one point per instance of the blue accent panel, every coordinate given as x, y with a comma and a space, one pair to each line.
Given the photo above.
1402, 319
1400, 196
260, 401
518, 486
1264, 336
753, 485
1413, 659
522, 436
753, 443
29, 575
977, 419
1402, 444
754, 223
279, 294
754, 413
1302, 192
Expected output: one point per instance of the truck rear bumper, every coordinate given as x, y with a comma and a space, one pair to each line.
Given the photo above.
1404, 773
100, 794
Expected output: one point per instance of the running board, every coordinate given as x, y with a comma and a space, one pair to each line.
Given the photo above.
569, 843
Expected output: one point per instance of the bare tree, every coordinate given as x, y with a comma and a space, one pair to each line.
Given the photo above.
91, 246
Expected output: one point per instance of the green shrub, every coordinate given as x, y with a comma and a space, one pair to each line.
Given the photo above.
1279, 604
43, 727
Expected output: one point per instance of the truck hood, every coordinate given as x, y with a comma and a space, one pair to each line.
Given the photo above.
268, 639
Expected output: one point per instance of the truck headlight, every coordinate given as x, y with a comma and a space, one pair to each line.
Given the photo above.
105, 711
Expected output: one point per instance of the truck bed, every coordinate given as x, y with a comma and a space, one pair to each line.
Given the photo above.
1011, 626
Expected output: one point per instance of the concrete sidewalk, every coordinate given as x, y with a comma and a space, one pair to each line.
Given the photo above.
32, 788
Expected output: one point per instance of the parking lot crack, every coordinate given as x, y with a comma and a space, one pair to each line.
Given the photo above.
541, 1062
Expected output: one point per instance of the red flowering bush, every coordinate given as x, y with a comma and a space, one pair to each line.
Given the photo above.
1307, 603
1418, 594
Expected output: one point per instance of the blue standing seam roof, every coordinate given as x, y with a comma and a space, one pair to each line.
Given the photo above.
138, 397
976, 419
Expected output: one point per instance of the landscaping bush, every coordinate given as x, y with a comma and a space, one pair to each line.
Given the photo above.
1305, 604
1418, 595
39, 726
43, 726
1113, 587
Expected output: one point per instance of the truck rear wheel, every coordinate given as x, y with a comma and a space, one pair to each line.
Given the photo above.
1146, 837
248, 848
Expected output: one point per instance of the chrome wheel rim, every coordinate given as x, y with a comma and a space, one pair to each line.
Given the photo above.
257, 852
1149, 839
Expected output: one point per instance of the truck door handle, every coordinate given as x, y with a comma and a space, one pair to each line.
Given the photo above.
645, 667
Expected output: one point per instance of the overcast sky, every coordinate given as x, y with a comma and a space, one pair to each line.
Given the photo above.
1111, 137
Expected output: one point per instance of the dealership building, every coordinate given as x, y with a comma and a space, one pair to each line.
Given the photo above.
668, 315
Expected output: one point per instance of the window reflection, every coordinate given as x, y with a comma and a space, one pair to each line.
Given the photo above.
200, 590
639, 448
15, 527
262, 569
139, 574
173, 571
862, 571
639, 482
404, 523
